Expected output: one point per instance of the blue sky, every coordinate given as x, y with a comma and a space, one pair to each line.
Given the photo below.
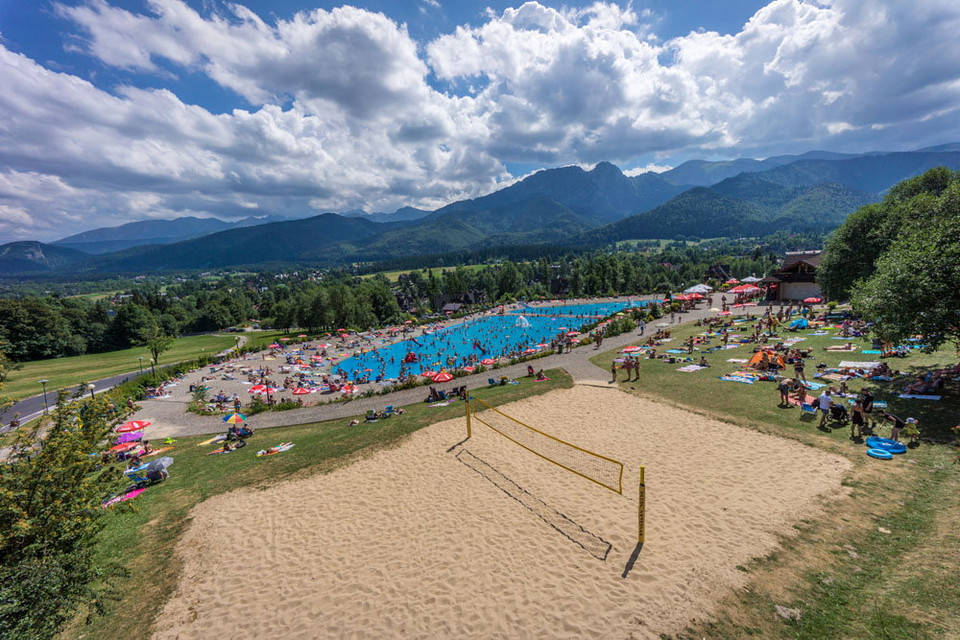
121, 110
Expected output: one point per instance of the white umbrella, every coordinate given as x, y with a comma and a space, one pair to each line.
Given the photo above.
751, 279
663, 324
699, 288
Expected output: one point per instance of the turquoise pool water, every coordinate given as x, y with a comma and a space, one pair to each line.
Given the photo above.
484, 337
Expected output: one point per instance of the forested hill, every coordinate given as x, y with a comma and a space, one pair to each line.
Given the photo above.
565, 206
37, 257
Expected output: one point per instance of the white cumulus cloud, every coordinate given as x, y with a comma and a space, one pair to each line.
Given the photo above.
342, 109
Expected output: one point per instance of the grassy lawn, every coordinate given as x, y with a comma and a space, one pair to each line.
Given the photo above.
66, 372
880, 563
393, 276
144, 534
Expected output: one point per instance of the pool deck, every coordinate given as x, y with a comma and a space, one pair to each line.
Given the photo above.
170, 418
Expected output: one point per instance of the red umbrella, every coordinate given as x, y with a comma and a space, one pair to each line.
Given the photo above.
487, 361
469, 369
443, 376
275, 346
529, 351
812, 300
133, 425
299, 391
125, 446
573, 333
429, 374
259, 388
732, 281
302, 335
680, 296
745, 288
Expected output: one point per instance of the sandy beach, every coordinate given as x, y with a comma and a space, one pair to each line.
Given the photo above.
486, 540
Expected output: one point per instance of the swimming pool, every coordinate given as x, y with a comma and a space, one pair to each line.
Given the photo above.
485, 337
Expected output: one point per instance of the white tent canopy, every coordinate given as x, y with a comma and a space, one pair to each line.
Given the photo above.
751, 279
699, 288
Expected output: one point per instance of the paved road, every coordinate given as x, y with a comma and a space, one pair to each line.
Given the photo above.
33, 407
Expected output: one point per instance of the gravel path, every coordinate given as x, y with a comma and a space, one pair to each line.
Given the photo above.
169, 417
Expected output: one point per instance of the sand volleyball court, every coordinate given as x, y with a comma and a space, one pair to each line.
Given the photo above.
490, 541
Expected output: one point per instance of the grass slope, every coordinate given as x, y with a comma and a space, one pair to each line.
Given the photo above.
67, 372
881, 563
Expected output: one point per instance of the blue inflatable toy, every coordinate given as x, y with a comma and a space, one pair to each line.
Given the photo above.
879, 454
886, 444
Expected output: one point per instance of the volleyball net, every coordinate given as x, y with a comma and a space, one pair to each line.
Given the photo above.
604, 471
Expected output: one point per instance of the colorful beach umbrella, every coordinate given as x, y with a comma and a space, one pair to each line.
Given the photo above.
443, 376
487, 361
300, 391
235, 418
124, 446
812, 300
133, 425
429, 374
128, 437
632, 349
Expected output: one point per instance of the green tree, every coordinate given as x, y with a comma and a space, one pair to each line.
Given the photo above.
852, 251
914, 288
50, 516
158, 344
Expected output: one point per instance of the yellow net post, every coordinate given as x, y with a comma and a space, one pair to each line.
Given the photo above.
642, 510
468, 418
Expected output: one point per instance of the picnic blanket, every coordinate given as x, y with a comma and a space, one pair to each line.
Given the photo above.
737, 360
691, 368
916, 396
730, 378
852, 364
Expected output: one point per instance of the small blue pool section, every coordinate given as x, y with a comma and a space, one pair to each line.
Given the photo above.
484, 337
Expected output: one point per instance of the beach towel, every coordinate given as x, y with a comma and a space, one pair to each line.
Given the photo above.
737, 379
737, 360
219, 438
130, 495
542, 380
280, 448
814, 385
851, 364
675, 351
915, 396
691, 368
441, 404
872, 352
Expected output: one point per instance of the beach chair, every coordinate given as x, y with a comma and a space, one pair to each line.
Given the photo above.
807, 412
492, 382
138, 475
371, 416
388, 411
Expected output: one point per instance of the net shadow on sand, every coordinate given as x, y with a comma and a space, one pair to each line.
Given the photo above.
589, 542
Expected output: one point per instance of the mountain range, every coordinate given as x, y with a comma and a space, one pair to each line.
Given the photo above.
567, 206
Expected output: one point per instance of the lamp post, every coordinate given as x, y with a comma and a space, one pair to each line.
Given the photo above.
140, 358
43, 383
91, 387
153, 368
